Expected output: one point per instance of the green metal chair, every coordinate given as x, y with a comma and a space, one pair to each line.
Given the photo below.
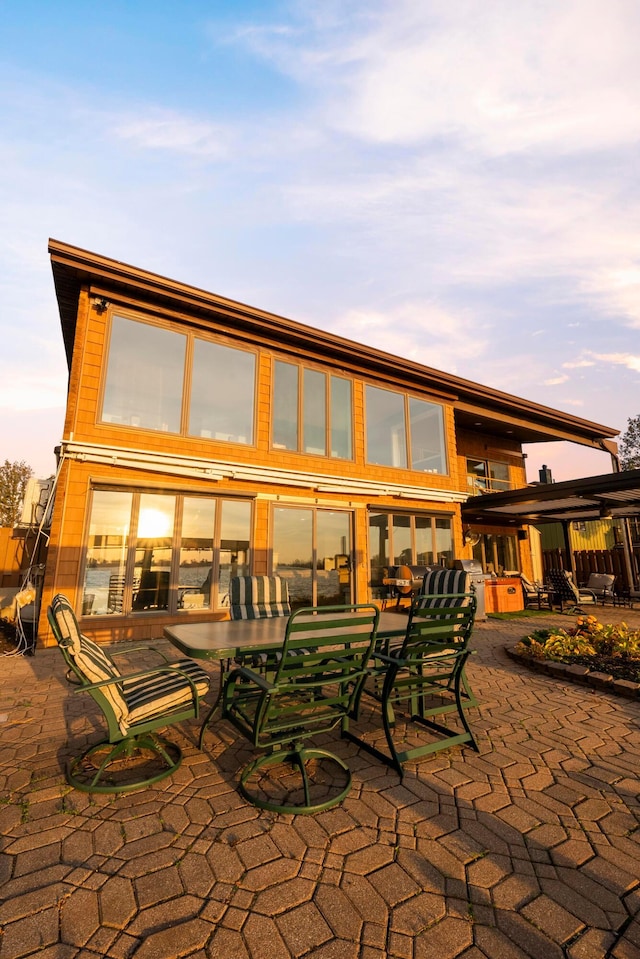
315, 688
134, 705
424, 677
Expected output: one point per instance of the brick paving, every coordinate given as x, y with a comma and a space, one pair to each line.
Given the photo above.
529, 848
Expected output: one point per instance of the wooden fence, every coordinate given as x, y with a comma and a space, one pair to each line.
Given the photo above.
591, 561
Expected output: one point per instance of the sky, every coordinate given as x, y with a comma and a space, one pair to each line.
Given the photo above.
452, 181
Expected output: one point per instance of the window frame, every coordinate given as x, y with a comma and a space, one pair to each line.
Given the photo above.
190, 337
488, 477
409, 439
413, 516
302, 369
173, 608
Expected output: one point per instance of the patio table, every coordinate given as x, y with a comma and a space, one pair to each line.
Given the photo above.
222, 640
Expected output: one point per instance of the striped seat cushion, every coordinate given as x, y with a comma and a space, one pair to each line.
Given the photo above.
447, 581
258, 597
131, 700
91, 662
160, 693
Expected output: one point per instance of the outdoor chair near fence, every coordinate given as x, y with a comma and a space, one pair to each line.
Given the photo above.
602, 585
534, 594
423, 678
315, 688
566, 594
134, 705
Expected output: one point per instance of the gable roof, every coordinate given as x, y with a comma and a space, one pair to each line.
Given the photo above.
477, 408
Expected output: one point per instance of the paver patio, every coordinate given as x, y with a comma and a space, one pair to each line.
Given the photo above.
529, 848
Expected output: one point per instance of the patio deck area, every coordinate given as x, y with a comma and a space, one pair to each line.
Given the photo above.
529, 848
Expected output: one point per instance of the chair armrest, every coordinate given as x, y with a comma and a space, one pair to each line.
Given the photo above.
589, 592
136, 649
243, 672
121, 680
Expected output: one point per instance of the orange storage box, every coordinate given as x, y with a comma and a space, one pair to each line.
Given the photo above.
503, 595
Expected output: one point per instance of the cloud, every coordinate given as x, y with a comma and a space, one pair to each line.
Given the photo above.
174, 133
23, 390
555, 381
577, 364
630, 360
502, 76
423, 332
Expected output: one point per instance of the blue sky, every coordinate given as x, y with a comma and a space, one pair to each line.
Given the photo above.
455, 182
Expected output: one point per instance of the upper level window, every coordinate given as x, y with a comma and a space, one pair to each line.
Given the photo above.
485, 476
312, 411
222, 392
404, 431
144, 376
146, 373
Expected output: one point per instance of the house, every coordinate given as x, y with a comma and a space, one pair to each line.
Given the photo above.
204, 438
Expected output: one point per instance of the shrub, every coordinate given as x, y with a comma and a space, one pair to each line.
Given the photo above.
587, 638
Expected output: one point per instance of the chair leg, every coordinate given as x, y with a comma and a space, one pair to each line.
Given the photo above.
93, 773
297, 757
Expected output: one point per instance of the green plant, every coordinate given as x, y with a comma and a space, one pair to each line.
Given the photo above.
587, 638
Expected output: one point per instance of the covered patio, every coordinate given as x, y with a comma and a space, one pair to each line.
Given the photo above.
610, 495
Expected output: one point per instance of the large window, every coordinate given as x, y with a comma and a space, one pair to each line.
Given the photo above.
404, 431
312, 411
406, 539
222, 393
162, 551
485, 476
146, 373
497, 552
312, 553
144, 376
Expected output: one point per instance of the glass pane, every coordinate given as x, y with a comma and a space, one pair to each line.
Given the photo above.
444, 542
477, 476
293, 552
402, 551
196, 553
499, 473
424, 541
285, 406
378, 547
144, 376
386, 437
152, 571
104, 577
315, 413
333, 552
222, 393
427, 437
341, 418
235, 543
506, 553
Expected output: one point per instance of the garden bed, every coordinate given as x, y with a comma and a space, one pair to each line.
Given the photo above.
605, 656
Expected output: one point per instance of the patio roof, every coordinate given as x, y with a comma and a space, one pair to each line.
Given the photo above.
615, 495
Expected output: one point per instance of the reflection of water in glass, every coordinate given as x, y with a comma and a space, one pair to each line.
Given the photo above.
97, 584
299, 584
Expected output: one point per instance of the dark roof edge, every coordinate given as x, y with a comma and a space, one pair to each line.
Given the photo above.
91, 266
539, 492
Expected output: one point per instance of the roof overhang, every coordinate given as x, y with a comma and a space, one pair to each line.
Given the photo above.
615, 495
